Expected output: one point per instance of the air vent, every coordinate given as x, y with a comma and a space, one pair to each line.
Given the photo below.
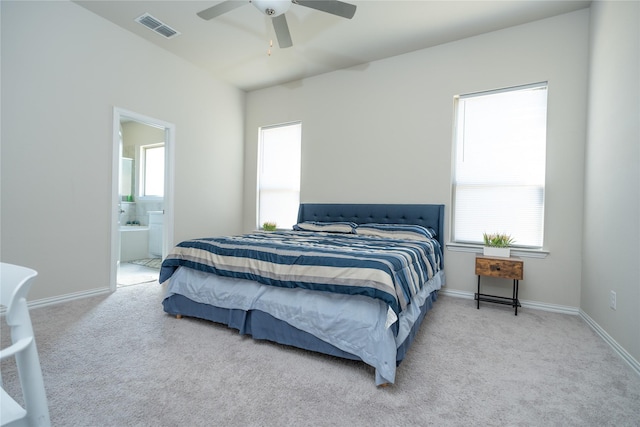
157, 26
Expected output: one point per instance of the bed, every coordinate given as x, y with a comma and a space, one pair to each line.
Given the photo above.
350, 280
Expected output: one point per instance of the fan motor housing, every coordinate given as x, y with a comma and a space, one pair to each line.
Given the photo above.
272, 7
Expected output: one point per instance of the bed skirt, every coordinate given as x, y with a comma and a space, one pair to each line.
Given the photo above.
263, 326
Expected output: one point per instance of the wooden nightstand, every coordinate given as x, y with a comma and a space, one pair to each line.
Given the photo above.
504, 268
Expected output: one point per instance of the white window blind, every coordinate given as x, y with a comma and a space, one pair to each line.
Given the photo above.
499, 171
279, 174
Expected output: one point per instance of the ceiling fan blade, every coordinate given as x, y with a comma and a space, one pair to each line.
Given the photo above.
334, 7
282, 31
220, 9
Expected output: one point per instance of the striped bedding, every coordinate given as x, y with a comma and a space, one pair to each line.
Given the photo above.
391, 270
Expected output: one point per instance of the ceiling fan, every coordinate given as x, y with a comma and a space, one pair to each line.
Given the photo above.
275, 9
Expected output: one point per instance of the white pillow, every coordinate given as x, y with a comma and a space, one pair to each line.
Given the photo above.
396, 231
327, 227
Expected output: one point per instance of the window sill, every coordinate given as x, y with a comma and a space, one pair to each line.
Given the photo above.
519, 252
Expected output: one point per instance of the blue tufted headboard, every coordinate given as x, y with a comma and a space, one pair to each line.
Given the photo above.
425, 215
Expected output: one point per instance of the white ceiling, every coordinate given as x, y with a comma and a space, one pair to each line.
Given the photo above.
234, 47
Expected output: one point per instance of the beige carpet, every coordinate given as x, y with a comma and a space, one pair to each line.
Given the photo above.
118, 360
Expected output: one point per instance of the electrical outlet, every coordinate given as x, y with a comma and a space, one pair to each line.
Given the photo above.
612, 300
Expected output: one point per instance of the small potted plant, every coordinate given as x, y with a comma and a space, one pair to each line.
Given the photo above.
269, 226
497, 244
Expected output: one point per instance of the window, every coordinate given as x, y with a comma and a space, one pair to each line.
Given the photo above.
499, 169
152, 170
279, 174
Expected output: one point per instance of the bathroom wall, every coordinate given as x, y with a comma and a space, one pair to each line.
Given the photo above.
135, 135
139, 211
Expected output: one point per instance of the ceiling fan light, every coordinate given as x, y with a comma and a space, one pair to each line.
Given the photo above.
272, 8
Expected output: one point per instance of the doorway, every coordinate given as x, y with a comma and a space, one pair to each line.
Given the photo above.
142, 197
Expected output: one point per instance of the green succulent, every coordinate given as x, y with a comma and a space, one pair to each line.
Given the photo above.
269, 226
498, 240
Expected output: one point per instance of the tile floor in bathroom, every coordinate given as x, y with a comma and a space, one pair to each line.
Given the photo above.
133, 274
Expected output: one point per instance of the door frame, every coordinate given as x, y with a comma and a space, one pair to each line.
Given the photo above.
169, 165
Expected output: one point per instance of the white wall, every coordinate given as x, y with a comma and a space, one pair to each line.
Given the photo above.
63, 71
382, 132
612, 181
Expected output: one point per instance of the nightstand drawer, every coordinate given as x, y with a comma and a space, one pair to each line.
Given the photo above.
506, 268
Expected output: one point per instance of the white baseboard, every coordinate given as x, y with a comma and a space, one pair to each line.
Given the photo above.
526, 304
624, 354
457, 294
67, 297
635, 365
61, 298
565, 309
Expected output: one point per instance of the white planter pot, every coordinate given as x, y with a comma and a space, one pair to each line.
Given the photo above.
499, 252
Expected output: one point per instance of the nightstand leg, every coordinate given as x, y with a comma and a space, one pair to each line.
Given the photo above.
515, 295
478, 294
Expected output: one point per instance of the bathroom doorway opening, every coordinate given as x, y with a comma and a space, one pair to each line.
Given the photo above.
142, 197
